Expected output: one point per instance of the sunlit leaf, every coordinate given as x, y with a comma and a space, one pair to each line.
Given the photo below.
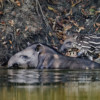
67, 27
98, 24
4, 42
11, 47
11, 22
52, 9
3, 38
10, 41
18, 3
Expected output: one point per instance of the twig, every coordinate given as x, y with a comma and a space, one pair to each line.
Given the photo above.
94, 22
44, 18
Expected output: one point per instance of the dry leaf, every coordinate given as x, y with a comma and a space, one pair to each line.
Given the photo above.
80, 28
50, 34
3, 38
98, 24
4, 42
17, 31
25, 36
94, 25
97, 28
97, 12
26, 28
18, 3
66, 28
10, 41
71, 12
2, 22
84, 12
76, 24
52, 9
1, 12
54, 25
76, 2
11, 22
11, 47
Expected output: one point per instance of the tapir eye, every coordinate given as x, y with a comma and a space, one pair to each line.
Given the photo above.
24, 57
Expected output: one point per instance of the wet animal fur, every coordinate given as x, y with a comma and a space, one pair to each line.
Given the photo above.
42, 56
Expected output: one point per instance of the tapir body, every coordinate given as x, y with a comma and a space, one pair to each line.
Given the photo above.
88, 45
42, 56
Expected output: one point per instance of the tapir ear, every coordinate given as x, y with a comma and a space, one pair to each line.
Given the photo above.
38, 47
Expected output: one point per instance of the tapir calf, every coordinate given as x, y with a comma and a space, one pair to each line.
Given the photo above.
41, 56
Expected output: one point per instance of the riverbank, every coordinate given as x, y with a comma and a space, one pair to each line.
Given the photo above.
23, 22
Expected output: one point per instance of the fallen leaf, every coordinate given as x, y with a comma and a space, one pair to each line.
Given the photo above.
71, 12
3, 38
94, 25
84, 12
17, 31
54, 25
50, 34
67, 27
80, 28
97, 28
11, 22
18, 3
11, 47
26, 28
25, 36
98, 24
59, 35
97, 12
76, 24
1, 12
2, 22
52, 9
10, 41
76, 2
4, 42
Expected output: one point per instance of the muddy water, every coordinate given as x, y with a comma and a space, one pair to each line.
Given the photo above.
30, 84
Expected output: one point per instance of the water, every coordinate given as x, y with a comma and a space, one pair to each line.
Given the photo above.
31, 84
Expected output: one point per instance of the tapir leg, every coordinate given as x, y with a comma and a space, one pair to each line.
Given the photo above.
40, 63
48, 63
45, 61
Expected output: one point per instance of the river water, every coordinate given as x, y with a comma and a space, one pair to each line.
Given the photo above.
32, 84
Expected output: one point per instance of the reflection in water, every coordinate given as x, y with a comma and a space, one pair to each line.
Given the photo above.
50, 76
49, 85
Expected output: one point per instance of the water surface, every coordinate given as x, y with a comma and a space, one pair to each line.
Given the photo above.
31, 84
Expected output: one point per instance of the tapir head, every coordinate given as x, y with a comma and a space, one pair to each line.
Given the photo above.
68, 43
26, 58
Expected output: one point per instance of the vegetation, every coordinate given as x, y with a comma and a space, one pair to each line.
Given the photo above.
23, 22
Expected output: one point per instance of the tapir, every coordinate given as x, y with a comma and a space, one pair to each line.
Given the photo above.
42, 56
